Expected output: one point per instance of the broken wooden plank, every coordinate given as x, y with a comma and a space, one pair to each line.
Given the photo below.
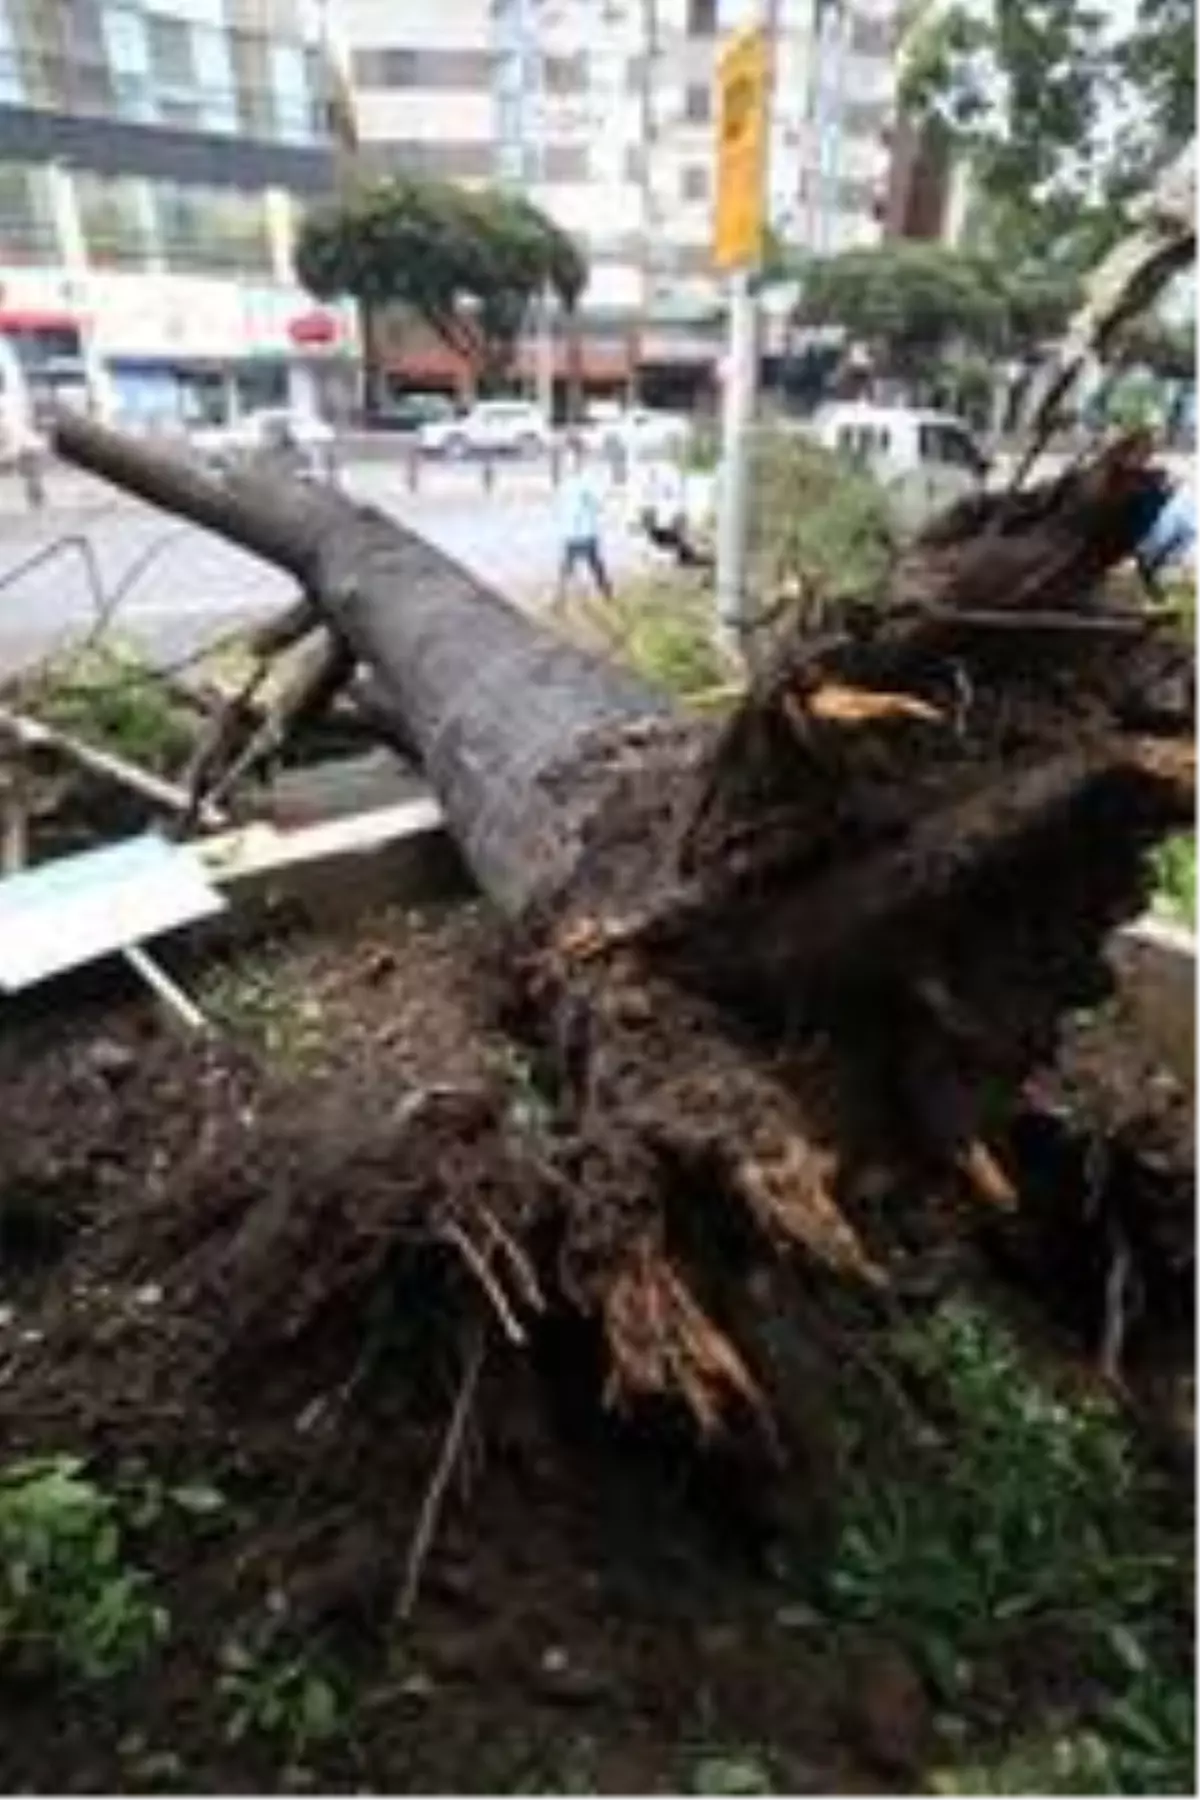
32, 734
400, 852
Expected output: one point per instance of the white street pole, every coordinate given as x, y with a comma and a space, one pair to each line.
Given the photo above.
739, 404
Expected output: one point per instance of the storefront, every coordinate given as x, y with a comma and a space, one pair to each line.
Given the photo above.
182, 350
178, 350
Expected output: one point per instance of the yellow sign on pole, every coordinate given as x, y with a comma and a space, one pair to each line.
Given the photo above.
743, 83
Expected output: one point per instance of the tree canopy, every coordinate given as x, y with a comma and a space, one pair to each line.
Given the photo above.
1158, 61
467, 262
1061, 119
909, 302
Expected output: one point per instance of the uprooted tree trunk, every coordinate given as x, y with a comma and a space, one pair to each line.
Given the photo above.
788, 974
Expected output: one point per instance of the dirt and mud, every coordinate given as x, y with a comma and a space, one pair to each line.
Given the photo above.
228, 1267
150, 1301
559, 1239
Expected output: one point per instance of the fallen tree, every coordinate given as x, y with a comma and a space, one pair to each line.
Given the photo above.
783, 977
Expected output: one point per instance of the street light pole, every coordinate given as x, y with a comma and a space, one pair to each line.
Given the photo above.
739, 403
738, 400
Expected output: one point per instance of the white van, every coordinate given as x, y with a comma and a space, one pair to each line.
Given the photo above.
925, 460
899, 440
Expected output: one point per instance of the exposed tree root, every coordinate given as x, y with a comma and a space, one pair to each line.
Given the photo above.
784, 977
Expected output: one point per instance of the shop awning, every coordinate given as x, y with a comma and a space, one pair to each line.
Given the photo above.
314, 328
33, 319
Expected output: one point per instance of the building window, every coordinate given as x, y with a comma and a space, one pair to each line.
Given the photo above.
215, 96
694, 183
458, 161
89, 88
27, 233
565, 162
856, 196
117, 225
563, 75
437, 69
702, 18
127, 53
697, 103
865, 118
870, 36
171, 61
290, 88
220, 230
250, 58
87, 77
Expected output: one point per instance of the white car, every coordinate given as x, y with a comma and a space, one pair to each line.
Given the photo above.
637, 431
492, 427
301, 439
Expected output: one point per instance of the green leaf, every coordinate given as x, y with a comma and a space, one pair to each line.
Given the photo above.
741, 1773
318, 1710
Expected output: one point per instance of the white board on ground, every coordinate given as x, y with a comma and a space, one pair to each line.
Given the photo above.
65, 913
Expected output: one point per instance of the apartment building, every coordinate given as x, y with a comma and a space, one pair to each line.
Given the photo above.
602, 110
153, 154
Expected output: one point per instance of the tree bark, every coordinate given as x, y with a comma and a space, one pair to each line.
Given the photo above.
495, 705
369, 334
573, 336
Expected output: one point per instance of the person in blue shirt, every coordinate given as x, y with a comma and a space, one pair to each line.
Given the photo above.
1164, 510
1171, 536
581, 512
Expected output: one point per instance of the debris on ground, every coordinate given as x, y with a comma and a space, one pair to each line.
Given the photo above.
748, 1076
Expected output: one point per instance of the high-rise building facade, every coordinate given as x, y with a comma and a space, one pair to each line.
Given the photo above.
602, 110
153, 154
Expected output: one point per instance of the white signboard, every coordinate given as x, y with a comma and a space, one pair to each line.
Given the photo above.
63, 914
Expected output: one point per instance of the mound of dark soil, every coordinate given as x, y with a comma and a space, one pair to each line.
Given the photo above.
244, 1271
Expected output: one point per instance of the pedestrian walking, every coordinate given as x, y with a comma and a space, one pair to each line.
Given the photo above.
581, 510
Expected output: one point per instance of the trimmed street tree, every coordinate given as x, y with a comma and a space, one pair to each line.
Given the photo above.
910, 303
468, 263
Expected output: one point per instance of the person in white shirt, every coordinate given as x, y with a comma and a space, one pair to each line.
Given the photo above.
581, 511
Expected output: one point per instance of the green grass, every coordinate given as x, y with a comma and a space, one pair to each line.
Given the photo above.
108, 697
1023, 1513
1020, 1520
818, 528
816, 521
285, 1699
1143, 1743
1174, 866
664, 628
251, 999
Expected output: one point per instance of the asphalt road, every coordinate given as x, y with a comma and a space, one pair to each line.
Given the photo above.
186, 586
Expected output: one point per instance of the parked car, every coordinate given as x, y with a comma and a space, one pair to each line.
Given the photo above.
492, 427
299, 440
21, 443
899, 440
925, 460
635, 431
408, 412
